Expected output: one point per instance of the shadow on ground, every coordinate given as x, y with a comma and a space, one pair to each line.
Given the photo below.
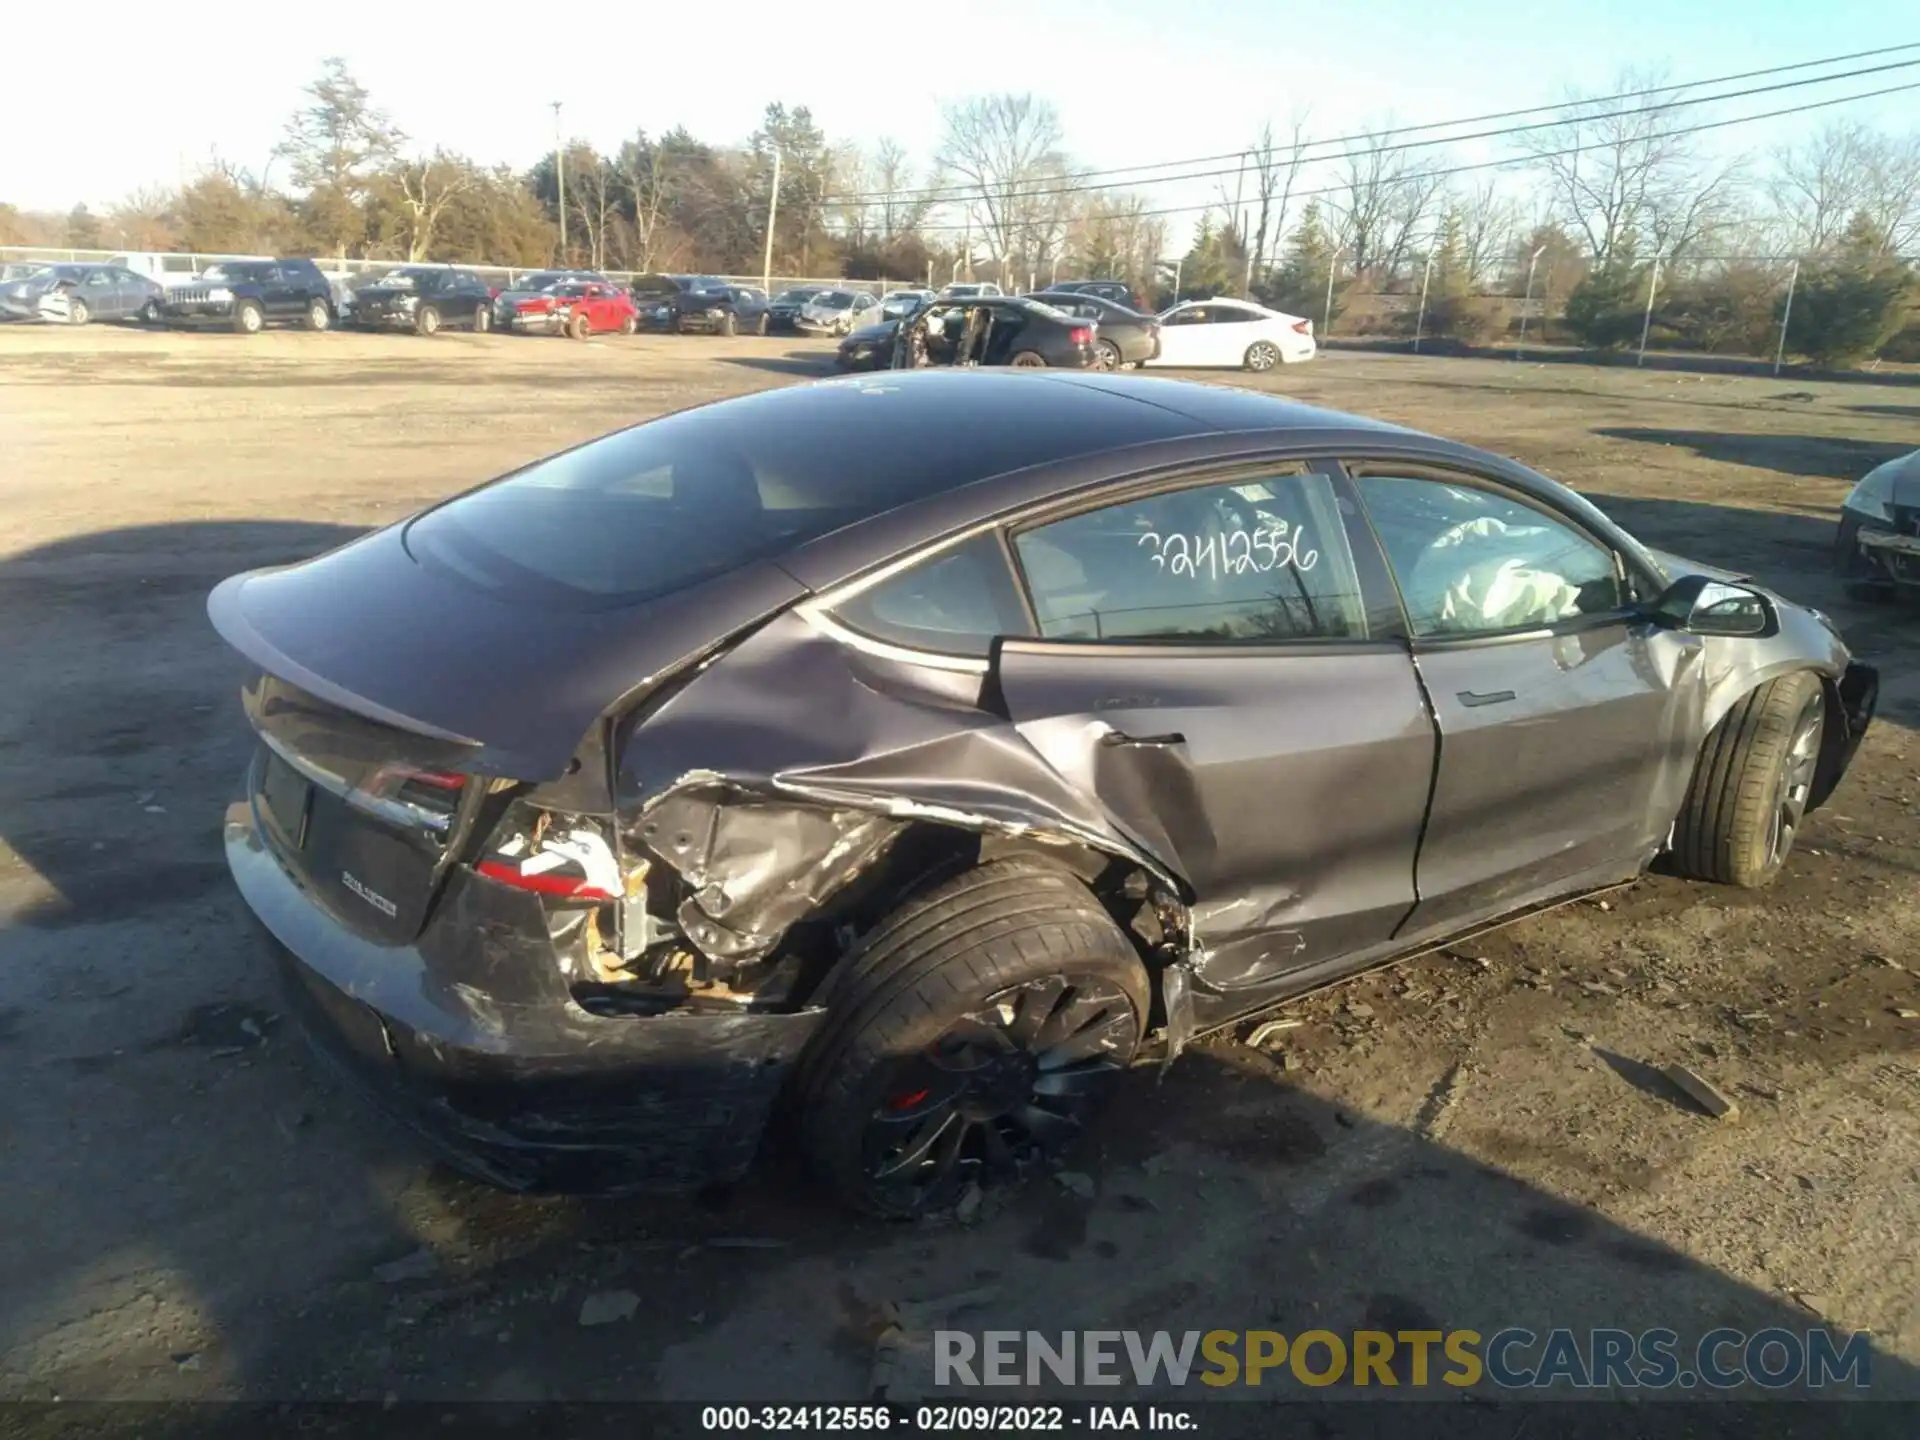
796, 362
1826, 457
1626, 360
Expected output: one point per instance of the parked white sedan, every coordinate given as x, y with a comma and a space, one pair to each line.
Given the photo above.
1234, 333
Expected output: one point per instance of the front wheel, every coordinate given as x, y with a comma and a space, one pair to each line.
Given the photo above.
77, 311
760, 326
1262, 356
150, 313
1029, 360
1750, 785
976, 1032
629, 325
426, 321
482, 319
577, 326
249, 318
726, 325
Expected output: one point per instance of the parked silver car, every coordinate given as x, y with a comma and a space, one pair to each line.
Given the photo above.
901, 303
838, 312
74, 294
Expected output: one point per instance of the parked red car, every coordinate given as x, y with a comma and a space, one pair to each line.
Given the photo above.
577, 309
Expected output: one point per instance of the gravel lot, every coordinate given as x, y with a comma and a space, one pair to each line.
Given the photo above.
192, 1209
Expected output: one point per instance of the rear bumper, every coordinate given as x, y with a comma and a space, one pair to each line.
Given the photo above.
1890, 557
470, 1037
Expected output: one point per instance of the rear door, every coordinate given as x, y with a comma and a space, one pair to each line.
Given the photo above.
1562, 712
101, 290
1208, 667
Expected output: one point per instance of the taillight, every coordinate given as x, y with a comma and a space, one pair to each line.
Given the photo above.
1081, 335
408, 795
1303, 327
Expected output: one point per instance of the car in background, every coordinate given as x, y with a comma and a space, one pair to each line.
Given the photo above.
1877, 546
868, 348
970, 290
1126, 337
896, 764
166, 269
575, 308
750, 308
246, 296
783, 311
838, 312
1117, 291
425, 299
682, 303
74, 294
533, 283
897, 304
1016, 330
1232, 333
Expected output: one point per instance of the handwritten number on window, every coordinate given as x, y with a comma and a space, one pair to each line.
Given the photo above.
1235, 552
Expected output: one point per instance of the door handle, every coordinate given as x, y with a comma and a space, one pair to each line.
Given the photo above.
1116, 737
1491, 697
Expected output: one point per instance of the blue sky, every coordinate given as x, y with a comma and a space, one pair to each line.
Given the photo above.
1135, 81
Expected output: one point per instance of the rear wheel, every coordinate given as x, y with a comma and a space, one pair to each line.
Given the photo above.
319, 315
628, 325
978, 1030
426, 320
1750, 785
249, 318
482, 319
1262, 355
1107, 355
1028, 360
150, 313
760, 325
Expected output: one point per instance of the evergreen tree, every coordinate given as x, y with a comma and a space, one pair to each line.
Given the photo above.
1606, 307
1848, 305
1299, 284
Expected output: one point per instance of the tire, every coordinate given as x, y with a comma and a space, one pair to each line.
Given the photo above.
249, 318
77, 311
426, 321
482, 319
760, 326
1107, 356
577, 326
726, 327
1262, 356
923, 997
629, 325
319, 315
1749, 790
150, 313
1028, 360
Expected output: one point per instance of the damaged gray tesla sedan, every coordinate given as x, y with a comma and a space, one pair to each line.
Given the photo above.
905, 757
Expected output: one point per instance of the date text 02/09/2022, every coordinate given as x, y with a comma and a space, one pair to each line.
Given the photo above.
941, 1419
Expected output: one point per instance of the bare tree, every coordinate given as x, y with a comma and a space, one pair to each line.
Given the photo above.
645, 178
902, 205
594, 188
1624, 180
1383, 201
1817, 184
1002, 147
1276, 170
427, 187
1891, 198
1487, 221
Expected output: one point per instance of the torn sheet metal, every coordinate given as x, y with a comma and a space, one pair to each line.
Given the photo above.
792, 764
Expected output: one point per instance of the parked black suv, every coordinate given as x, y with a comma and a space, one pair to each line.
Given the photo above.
249, 295
680, 303
425, 299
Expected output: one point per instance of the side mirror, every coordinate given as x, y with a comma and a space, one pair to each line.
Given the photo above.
1702, 606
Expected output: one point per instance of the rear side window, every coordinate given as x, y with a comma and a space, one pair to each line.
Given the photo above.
955, 602
1258, 561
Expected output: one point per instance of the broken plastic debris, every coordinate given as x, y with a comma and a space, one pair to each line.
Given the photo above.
1259, 1038
608, 1307
1702, 1092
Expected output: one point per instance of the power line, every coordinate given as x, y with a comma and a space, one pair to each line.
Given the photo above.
1530, 158
938, 193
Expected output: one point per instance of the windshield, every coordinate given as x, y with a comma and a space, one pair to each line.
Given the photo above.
835, 300
799, 295
11, 273
229, 271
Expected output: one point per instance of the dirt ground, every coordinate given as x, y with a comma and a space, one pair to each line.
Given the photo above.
192, 1209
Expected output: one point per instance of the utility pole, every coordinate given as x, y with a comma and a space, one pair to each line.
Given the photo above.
1239, 220
1646, 322
1326, 315
560, 179
1786, 314
773, 213
1420, 320
1527, 304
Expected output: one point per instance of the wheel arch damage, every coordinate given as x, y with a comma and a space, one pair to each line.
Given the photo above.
790, 790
